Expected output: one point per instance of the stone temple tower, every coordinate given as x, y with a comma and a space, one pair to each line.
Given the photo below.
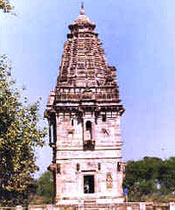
84, 113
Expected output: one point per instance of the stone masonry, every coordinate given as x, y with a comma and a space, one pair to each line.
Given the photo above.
84, 113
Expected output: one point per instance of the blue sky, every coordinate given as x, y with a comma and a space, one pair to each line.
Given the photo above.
138, 37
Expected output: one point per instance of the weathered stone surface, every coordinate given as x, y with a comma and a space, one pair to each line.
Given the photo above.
92, 205
84, 116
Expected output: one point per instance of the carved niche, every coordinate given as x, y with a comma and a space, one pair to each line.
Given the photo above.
109, 180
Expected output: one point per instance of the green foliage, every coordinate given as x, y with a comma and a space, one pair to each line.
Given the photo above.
45, 185
43, 191
167, 176
19, 136
150, 177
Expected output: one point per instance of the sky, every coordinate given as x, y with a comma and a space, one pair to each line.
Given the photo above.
138, 38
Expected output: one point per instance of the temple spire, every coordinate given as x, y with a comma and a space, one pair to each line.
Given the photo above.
82, 12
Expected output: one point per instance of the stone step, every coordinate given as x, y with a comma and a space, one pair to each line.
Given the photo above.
93, 202
85, 208
87, 202
95, 207
91, 208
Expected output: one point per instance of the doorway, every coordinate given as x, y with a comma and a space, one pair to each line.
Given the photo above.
89, 184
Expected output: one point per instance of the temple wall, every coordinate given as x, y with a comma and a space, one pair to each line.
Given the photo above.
70, 180
105, 133
101, 162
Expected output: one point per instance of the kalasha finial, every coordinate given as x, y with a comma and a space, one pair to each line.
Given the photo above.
82, 12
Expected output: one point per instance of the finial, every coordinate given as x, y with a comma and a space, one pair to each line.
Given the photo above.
82, 12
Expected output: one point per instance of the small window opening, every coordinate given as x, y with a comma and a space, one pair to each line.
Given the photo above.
89, 184
88, 130
118, 166
58, 168
50, 133
72, 122
99, 166
88, 126
78, 166
52, 130
104, 118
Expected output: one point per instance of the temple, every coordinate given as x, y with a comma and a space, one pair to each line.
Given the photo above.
84, 113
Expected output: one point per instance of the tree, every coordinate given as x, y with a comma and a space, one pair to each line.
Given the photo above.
167, 176
42, 189
150, 177
142, 177
45, 185
19, 136
5, 5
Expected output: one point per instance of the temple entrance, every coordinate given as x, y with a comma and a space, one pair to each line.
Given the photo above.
89, 184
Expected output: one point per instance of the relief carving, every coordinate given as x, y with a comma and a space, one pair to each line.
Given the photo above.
109, 181
105, 131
